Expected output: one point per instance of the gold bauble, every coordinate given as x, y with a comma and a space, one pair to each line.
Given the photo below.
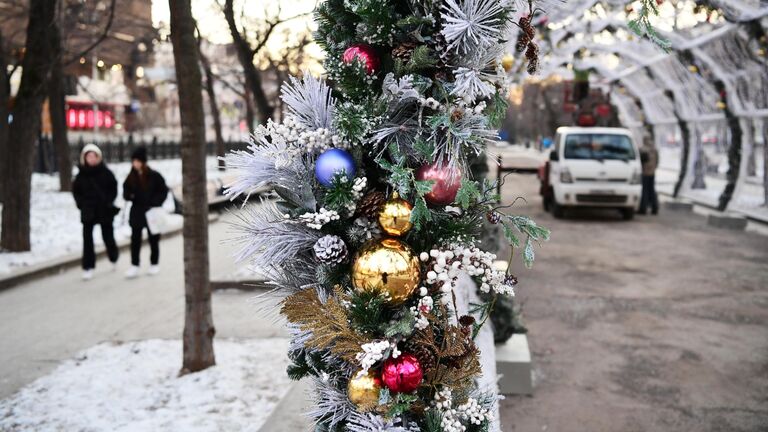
395, 216
386, 266
363, 391
507, 62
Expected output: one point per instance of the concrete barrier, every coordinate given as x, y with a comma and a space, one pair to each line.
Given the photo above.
727, 221
513, 363
678, 205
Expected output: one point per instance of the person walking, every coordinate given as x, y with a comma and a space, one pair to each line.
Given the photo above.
95, 190
649, 158
145, 188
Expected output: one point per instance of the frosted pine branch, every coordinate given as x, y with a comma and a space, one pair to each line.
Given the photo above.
469, 24
268, 239
310, 101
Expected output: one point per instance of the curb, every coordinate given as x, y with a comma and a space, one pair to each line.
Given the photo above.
748, 215
58, 265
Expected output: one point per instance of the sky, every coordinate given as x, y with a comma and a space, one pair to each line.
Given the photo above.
213, 26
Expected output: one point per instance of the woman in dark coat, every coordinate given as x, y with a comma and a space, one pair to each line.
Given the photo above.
145, 188
95, 190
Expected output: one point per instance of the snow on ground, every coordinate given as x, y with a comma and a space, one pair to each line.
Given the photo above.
749, 198
56, 230
135, 387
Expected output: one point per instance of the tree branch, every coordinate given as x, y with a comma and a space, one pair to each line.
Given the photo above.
99, 40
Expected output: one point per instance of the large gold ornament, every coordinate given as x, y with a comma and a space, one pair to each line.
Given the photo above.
363, 391
395, 216
386, 266
507, 61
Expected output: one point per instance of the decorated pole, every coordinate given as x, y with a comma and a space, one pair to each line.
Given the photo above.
374, 245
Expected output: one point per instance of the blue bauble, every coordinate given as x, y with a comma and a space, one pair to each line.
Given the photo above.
331, 162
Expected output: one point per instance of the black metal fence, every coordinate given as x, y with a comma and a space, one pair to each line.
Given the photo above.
119, 150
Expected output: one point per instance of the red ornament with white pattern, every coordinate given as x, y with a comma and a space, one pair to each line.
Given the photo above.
365, 54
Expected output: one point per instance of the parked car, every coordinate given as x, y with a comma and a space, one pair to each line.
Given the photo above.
592, 167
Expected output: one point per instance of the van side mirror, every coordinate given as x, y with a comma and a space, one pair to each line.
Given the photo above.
553, 156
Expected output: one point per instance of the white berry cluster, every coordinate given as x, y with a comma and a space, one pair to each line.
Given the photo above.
446, 265
473, 412
420, 311
452, 418
320, 140
451, 421
429, 102
317, 220
373, 352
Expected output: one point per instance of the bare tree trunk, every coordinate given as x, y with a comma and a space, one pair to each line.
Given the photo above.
214, 106
250, 116
198, 321
42, 37
5, 91
252, 75
56, 102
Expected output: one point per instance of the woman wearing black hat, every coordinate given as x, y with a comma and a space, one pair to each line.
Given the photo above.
145, 188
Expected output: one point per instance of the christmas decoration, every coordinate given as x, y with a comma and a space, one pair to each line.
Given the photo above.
371, 204
493, 217
402, 374
330, 249
507, 61
446, 183
395, 216
404, 51
364, 390
386, 266
361, 276
364, 54
334, 162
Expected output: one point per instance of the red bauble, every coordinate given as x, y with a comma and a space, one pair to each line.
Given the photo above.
447, 183
402, 374
365, 54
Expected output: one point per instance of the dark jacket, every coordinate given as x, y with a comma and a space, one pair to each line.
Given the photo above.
95, 190
144, 195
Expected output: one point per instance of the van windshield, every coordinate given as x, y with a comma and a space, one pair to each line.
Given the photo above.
599, 147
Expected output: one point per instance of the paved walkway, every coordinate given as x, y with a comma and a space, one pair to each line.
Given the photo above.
655, 324
49, 320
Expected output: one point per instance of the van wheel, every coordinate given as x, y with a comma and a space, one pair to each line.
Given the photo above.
627, 213
558, 211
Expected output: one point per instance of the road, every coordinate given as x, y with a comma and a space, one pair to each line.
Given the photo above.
49, 320
657, 324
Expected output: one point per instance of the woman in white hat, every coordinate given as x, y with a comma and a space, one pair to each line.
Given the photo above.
95, 190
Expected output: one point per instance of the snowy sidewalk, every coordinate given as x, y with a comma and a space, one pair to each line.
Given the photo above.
50, 320
56, 231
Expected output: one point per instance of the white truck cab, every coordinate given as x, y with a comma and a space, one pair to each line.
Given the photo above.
593, 167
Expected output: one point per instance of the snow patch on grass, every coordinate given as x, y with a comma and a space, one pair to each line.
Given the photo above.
135, 387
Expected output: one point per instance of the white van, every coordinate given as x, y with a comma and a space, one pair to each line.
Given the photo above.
593, 167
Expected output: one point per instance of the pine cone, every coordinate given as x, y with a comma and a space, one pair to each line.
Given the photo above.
510, 280
426, 357
370, 205
330, 250
493, 217
404, 51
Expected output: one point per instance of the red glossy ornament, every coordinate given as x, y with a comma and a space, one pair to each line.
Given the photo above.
364, 53
402, 374
447, 183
